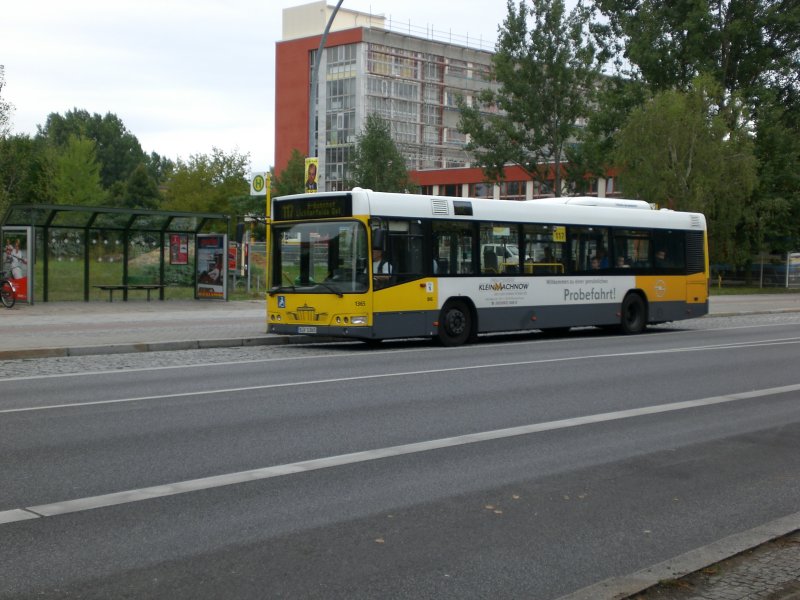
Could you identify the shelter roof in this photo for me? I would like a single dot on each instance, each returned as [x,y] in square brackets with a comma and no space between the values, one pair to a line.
[109,218]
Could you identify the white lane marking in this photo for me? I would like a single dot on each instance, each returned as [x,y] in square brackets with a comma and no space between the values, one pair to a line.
[18,514]
[205,483]
[777,342]
[362,354]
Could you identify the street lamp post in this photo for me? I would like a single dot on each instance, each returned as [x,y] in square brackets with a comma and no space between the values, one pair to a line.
[312,110]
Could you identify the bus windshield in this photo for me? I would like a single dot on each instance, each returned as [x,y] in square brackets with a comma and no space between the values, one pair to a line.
[320,257]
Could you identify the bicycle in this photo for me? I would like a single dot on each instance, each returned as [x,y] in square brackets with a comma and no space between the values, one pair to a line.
[8,294]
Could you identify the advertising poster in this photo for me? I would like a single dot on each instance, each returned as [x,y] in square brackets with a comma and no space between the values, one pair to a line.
[312,164]
[233,255]
[16,256]
[179,248]
[212,266]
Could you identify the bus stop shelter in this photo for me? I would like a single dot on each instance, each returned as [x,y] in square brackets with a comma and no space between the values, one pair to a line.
[106,248]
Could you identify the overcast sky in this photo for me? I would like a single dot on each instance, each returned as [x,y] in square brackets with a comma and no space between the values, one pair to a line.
[183,75]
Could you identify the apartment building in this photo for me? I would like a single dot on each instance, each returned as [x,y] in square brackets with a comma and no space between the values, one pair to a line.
[409,78]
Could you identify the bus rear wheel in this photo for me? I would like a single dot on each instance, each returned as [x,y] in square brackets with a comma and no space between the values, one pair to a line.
[455,324]
[634,314]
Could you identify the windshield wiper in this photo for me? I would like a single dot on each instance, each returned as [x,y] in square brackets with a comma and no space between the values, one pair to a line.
[331,288]
[282,288]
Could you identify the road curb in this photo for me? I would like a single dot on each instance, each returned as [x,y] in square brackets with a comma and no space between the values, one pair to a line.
[619,588]
[150,347]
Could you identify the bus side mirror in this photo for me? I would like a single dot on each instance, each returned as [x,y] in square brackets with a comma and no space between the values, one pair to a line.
[378,239]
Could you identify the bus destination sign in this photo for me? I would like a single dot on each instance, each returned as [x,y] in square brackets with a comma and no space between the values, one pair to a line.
[318,207]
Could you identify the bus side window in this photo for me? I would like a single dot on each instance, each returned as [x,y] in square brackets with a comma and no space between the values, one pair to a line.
[453,247]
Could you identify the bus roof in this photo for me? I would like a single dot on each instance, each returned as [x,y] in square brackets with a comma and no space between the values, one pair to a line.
[582,210]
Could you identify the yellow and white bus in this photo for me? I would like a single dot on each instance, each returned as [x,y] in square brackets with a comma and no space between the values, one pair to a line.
[373,266]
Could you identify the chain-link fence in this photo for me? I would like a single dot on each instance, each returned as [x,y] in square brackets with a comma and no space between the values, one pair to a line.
[252,278]
[765,271]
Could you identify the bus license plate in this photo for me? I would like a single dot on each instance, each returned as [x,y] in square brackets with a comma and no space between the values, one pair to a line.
[306,330]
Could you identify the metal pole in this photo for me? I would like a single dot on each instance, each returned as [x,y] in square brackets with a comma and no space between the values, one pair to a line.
[312,108]
[788,257]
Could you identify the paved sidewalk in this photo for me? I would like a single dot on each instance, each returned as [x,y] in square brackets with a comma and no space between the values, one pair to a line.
[769,572]
[50,329]
[760,564]
[763,564]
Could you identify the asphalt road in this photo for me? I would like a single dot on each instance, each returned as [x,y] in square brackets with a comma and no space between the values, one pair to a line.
[519,467]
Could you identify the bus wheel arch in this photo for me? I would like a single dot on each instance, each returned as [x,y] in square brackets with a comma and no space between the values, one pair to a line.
[457,322]
[633,313]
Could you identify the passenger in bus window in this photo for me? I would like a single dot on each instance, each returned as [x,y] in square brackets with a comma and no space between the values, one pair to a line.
[621,264]
[661,258]
[602,258]
[594,264]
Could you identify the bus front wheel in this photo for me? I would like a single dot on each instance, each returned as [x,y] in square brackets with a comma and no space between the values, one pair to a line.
[455,324]
[634,314]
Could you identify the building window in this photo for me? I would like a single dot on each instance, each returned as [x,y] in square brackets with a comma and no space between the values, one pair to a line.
[336,163]
[481,190]
[340,121]
[433,67]
[481,72]
[456,68]
[431,115]
[432,94]
[431,135]
[398,62]
[512,190]
[453,137]
[404,132]
[450,189]
[542,189]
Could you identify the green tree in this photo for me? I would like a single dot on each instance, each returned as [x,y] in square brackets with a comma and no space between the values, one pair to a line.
[546,76]
[376,163]
[593,157]
[745,45]
[676,151]
[773,222]
[208,183]
[24,172]
[76,174]
[118,151]
[292,179]
[140,191]
[6,108]
[159,167]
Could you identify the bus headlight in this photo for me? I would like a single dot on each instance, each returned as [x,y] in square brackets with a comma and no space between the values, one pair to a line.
[359,320]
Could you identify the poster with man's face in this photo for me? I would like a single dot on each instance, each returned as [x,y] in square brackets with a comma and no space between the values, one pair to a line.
[312,164]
